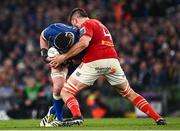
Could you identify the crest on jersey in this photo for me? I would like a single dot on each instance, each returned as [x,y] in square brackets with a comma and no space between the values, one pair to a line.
[82,31]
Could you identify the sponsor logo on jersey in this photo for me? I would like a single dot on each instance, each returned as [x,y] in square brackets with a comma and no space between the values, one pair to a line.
[113,70]
[102,69]
[82,31]
[78,74]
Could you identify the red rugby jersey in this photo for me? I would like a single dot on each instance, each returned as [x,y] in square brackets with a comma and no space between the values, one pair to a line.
[101,45]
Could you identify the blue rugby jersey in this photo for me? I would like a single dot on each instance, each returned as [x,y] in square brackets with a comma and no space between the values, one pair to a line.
[53,30]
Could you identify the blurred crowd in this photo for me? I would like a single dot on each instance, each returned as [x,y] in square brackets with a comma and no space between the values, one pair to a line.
[146,38]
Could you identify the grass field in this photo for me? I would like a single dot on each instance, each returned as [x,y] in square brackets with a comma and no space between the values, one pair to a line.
[101,124]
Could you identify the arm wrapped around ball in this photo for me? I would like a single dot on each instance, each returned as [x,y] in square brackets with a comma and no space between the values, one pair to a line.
[62,43]
[53,52]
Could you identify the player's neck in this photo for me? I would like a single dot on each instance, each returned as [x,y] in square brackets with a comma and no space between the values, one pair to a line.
[84,19]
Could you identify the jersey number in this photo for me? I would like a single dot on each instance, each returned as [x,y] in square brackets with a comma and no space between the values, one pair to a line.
[106,33]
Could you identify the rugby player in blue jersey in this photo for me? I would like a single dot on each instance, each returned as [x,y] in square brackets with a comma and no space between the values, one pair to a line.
[62,37]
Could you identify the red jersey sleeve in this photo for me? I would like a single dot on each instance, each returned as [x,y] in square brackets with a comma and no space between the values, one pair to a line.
[86,29]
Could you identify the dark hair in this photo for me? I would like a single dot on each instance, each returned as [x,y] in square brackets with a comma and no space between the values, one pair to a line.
[79,12]
[63,41]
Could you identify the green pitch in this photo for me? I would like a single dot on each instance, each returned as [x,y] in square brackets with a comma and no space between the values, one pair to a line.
[101,124]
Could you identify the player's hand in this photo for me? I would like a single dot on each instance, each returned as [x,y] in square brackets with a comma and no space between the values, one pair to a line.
[53,65]
[56,61]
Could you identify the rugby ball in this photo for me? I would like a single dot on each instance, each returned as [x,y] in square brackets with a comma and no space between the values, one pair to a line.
[52,51]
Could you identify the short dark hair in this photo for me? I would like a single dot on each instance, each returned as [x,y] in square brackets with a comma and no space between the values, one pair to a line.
[79,12]
[63,41]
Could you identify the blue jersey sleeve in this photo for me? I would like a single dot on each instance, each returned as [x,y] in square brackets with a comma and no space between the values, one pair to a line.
[51,32]
[46,33]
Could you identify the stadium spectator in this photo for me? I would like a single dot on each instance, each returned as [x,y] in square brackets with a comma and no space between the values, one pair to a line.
[32,97]
[32,101]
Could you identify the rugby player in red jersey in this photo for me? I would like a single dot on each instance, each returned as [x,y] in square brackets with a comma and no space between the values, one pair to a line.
[100,59]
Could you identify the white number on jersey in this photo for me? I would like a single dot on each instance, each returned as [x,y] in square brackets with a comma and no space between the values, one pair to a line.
[107,33]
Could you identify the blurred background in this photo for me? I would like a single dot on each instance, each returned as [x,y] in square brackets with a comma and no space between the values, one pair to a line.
[146,34]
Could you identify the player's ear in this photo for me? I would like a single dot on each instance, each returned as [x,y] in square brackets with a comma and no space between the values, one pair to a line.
[74,21]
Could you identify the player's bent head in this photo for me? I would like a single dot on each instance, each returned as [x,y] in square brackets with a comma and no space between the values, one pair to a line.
[77,12]
[64,41]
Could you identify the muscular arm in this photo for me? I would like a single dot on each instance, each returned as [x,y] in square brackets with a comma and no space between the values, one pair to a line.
[79,47]
[76,49]
[43,42]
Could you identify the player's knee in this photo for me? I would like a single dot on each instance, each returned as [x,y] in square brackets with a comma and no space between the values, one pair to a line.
[129,95]
[126,90]
[69,88]
[56,92]
[57,88]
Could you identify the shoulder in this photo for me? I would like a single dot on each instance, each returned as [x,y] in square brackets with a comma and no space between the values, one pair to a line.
[58,26]
[48,28]
[88,22]
[64,26]
[48,31]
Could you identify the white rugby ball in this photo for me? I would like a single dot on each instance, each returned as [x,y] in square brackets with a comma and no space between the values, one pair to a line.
[52,52]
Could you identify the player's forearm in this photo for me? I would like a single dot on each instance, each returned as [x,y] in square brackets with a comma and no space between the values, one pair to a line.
[76,49]
[79,47]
